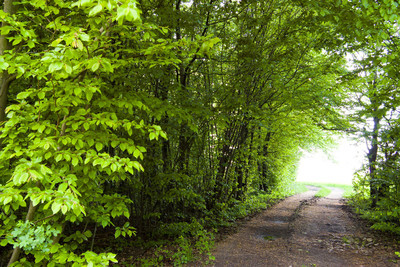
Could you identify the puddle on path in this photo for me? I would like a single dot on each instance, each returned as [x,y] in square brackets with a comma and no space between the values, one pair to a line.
[278,221]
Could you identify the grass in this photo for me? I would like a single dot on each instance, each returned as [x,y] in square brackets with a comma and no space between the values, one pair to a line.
[323,192]
[348,189]
[293,189]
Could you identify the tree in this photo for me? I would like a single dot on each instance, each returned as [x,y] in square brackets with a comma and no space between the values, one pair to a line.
[375,98]
[70,131]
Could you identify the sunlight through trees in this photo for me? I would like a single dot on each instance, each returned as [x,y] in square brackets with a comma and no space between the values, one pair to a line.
[337,166]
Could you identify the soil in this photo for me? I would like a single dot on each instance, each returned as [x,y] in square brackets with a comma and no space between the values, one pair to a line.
[306,231]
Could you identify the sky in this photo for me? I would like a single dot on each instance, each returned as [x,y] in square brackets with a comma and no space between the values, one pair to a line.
[337,168]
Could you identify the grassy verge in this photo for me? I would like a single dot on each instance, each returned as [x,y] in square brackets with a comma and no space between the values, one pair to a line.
[296,188]
[348,189]
[323,192]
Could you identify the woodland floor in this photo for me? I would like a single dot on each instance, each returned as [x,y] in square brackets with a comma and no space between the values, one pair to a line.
[307,231]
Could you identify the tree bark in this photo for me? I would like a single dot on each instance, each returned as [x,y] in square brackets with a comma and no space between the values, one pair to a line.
[241,164]
[17,250]
[372,156]
[5,78]
[264,184]
[234,141]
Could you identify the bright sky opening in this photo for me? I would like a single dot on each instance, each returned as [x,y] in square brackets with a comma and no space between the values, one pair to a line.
[337,168]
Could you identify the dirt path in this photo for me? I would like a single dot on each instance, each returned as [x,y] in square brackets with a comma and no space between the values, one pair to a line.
[304,231]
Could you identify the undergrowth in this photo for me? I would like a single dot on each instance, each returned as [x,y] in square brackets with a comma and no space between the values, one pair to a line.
[385,216]
[196,238]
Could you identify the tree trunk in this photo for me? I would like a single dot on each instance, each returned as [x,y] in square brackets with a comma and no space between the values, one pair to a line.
[264,185]
[185,133]
[372,156]
[5,78]
[17,250]
[241,163]
[234,139]
[223,162]
[184,148]
[162,93]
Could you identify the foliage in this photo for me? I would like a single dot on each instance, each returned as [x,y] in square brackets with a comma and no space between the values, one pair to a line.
[374,88]
[384,217]
[161,120]
[65,139]
[183,249]
[30,237]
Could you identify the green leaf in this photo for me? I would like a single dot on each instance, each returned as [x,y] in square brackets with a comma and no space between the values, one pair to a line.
[75,126]
[55,42]
[48,155]
[17,40]
[77,91]
[117,233]
[64,209]
[163,135]
[90,142]
[137,165]
[4,242]
[68,69]
[152,135]
[99,146]
[7,200]
[127,215]
[136,153]
[85,2]
[41,128]
[107,65]
[39,257]
[105,163]
[132,14]
[55,67]
[95,66]
[6,209]
[3,65]
[114,213]
[24,95]
[41,95]
[86,126]
[113,167]
[35,200]
[55,207]
[97,161]
[393,18]
[59,157]
[62,187]
[94,11]
[114,143]
[67,156]
[120,14]
[84,37]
